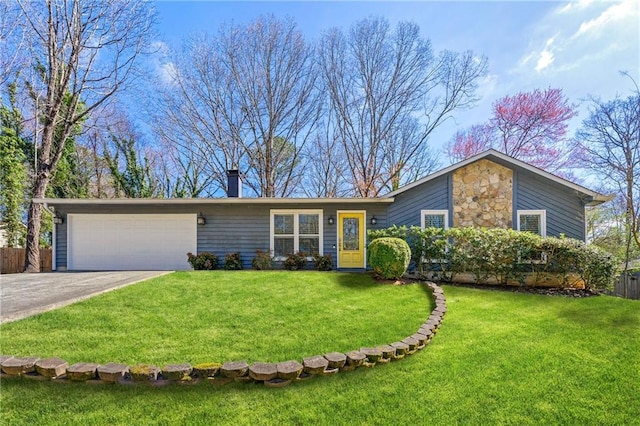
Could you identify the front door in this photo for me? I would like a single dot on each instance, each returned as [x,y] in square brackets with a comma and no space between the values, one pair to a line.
[351,250]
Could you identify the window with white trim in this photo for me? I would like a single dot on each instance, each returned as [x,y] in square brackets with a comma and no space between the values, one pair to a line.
[434,219]
[534,221]
[295,230]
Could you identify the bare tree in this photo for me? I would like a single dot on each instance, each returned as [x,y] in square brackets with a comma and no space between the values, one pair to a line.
[389,92]
[325,164]
[245,99]
[11,40]
[608,143]
[183,173]
[84,51]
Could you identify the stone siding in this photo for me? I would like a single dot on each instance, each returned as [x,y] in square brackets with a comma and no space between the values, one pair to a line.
[483,195]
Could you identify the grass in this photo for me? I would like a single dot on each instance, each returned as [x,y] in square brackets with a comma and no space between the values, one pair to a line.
[499,358]
[223,316]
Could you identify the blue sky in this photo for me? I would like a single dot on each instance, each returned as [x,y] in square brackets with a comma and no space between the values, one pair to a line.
[578,46]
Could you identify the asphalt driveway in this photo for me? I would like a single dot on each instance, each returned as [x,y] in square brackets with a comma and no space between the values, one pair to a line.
[23,295]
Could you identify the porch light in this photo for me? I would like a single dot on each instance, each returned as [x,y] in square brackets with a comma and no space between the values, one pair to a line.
[58,220]
[373,220]
[331,220]
[201,219]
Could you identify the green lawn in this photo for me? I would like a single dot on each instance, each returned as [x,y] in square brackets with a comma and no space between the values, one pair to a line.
[499,358]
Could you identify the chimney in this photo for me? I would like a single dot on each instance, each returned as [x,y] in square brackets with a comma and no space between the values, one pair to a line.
[234,184]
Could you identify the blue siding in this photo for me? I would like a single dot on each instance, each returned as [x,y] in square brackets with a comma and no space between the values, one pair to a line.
[61,245]
[432,195]
[565,209]
[233,228]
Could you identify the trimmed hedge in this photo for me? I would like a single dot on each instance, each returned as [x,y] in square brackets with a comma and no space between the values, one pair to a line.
[502,255]
[389,257]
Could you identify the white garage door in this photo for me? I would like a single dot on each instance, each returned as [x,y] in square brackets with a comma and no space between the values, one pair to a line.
[130,241]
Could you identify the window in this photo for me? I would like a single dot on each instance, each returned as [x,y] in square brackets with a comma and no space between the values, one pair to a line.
[295,230]
[434,219]
[534,221]
[433,253]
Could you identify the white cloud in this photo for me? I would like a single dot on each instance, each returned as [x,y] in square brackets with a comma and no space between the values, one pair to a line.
[167,72]
[544,60]
[487,86]
[164,68]
[575,6]
[612,15]
[583,34]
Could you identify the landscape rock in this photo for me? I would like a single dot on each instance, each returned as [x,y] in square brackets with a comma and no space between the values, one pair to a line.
[144,372]
[176,371]
[388,351]
[355,358]
[401,348]
[234,369]
[336,359]
[372,354]
[412,342]
[263,371]
[207,369]
[18,366]
[315,364]
[82,371]
[52,367]
[289,370]
[112,372]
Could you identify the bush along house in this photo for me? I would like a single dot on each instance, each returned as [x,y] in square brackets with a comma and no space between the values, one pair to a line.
[489,190]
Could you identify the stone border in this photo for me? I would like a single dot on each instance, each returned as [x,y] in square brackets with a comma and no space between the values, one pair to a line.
[271,374]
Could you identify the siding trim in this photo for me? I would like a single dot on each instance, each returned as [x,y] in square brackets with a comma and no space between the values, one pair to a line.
[54,242]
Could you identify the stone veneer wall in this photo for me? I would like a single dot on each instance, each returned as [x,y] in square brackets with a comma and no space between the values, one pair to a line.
[483,195]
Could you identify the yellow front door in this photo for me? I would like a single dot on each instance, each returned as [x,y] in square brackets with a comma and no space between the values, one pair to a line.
[351,239]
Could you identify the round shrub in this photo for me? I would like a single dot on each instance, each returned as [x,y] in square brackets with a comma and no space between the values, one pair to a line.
[389,257]
[204,261]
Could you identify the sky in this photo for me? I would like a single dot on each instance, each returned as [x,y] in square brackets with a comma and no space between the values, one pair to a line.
[578,46]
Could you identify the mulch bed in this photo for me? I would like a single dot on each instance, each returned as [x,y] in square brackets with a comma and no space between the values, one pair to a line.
[547,291]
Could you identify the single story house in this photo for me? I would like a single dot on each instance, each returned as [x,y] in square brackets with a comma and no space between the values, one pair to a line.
[490,189]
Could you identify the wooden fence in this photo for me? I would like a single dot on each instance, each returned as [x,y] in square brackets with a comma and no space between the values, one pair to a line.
[12,260]
[628,286]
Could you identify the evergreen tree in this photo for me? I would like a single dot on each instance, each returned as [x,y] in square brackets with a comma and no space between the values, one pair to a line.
[136,179]
[13,174]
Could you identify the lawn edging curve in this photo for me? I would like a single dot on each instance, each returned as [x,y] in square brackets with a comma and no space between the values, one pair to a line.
[271,374]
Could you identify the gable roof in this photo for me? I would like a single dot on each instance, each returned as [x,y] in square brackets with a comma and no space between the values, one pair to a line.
[593,198]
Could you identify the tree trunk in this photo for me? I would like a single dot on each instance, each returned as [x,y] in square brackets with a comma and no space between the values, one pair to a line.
[32,258]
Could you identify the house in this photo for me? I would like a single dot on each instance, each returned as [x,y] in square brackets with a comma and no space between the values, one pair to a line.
[488,190]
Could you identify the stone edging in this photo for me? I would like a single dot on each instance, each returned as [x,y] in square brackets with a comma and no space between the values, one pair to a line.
[271,374]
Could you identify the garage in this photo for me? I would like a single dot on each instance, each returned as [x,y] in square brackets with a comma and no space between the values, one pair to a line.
[130,241]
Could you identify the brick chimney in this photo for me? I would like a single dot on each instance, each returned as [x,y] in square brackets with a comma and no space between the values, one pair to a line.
[234,184]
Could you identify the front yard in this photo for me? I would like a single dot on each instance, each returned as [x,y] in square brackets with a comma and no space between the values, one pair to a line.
[498,358]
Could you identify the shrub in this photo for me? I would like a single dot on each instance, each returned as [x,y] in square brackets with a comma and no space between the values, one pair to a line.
[322,262]
[295,261]
[204,261]
[504,256]
[263,261]
[232,262]
[389,257]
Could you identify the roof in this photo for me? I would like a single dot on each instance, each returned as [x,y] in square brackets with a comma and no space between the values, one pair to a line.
[204,201]
[593,198]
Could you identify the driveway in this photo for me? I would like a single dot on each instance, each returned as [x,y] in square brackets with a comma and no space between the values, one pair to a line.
[23,295]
